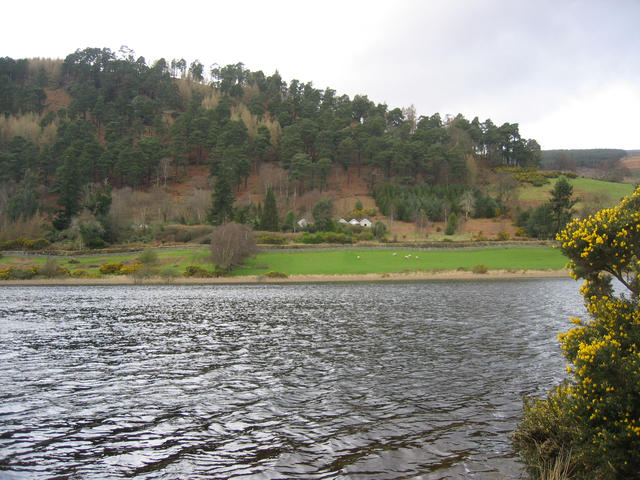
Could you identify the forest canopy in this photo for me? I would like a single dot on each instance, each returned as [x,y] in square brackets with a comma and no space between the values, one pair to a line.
[128,123]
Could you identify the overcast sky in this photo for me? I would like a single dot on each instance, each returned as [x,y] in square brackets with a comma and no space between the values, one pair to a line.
[568,72]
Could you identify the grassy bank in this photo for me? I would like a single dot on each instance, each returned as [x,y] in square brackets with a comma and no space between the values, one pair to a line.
[321,262]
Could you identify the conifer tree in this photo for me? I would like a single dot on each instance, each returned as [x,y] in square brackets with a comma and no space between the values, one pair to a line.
[221,201]
[270,220]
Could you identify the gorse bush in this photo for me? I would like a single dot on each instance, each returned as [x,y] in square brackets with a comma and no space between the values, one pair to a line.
[110,268]
[25,244]
[274,274]
[118,268]
[535,177]
[598,409]
[132,269]
[15,273]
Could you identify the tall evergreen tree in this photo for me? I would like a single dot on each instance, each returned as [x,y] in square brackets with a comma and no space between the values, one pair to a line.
[270,220]
[561,204]
[221,200]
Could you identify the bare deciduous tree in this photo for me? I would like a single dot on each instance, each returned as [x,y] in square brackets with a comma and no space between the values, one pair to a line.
[231,244]
[196,205]
[467,203]
[422,222]
[162,170]
[163,203]
[273,177]
[507,189]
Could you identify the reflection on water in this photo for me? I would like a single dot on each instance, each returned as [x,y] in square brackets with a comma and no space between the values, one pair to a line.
[419,380]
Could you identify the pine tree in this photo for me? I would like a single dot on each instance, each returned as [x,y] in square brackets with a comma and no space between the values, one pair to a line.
[270,221]
[221,201]
[561,204]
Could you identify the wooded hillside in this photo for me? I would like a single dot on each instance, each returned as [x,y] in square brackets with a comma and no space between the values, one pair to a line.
[74,130]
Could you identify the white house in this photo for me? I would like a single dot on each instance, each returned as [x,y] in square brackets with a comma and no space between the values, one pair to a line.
[343,221]
[365,223]
[302,223]
[354,222]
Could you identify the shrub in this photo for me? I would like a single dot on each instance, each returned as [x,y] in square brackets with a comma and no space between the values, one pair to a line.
[311,239]
[271,240]
[360,213]
[452,223]
[479,236]
[142,271]
[95,242]
[110,268]
[78,273]
[51,269]
[365,236]
[326,237]
[14,273]
[129,269]
[544,436]
[341,238]
[502,236]
[272,274]
[37,244]
[600,405]
[21,243]
[380,231]
[529,175]
[480,269]
[6,273]
[148,256]
[169,274]
[196,271]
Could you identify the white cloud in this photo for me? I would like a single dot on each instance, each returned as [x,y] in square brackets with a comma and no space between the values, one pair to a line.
[601,118]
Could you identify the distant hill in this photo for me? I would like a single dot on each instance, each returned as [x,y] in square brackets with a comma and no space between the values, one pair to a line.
[589,158]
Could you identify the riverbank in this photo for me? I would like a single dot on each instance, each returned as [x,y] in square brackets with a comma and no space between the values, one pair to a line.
[335,265]
[260,279]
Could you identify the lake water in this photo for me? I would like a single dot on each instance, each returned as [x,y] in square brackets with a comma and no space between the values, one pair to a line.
[364,381]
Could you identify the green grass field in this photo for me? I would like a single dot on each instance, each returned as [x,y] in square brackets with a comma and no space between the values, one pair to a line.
[326,262]
[335,262]
[582,187]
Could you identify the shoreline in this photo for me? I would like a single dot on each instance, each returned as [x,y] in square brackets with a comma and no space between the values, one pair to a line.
[261,279]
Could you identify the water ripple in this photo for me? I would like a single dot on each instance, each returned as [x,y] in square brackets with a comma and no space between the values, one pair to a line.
[367,381]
